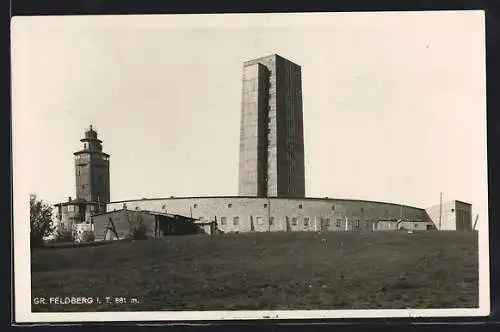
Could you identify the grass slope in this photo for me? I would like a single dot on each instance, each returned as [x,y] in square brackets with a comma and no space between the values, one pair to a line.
[275,271]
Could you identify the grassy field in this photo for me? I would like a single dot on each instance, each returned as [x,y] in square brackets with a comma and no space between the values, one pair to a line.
[276,271]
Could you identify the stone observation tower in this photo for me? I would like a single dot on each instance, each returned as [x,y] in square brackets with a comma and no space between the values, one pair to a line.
[271,137]
[92,170]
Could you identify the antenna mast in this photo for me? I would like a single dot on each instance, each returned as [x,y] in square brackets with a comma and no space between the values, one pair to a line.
[440,209]
[475,222]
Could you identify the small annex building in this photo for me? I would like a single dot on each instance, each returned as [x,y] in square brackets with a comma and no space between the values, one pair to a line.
[119,224]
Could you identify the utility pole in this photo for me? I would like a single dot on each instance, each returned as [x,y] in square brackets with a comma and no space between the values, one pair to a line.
[475,222]
[440,209]
[269,212]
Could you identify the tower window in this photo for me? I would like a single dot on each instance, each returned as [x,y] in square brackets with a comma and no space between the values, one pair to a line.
[300,206]
[306,221]
[195,206]
[164,206]
[230,205]
[362,209]
[265,205]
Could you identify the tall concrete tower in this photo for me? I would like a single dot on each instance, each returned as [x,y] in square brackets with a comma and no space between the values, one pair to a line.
[92,170]
[271,136]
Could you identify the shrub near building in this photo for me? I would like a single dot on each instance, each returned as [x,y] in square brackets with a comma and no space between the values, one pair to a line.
[41,225]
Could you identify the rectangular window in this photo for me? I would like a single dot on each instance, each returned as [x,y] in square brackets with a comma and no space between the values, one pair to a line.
[271,220]
[338,223]
[294,221]
[236,221]
[223,220]
[326,222]
[306,221]
[259,220]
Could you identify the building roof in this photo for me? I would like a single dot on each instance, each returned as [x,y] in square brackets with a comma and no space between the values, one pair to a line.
[329,199]
[259,59]
[452,201]
[91,151]
[79,201]
[155,213]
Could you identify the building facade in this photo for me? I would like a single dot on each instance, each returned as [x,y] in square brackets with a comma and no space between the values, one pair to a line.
[251,214]
[74,213]
[451,215]
[271,135]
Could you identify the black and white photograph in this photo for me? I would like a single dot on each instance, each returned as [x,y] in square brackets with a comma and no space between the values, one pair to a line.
[250,166]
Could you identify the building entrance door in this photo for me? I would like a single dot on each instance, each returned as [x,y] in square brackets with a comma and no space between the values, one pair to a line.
[324,225]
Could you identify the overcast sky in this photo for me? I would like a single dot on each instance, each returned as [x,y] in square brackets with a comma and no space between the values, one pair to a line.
[394,103]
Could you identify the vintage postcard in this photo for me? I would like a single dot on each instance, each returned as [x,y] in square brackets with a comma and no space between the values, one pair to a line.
[250,166]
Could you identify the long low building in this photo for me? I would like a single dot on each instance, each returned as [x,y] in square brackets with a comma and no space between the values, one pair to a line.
[247,214]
